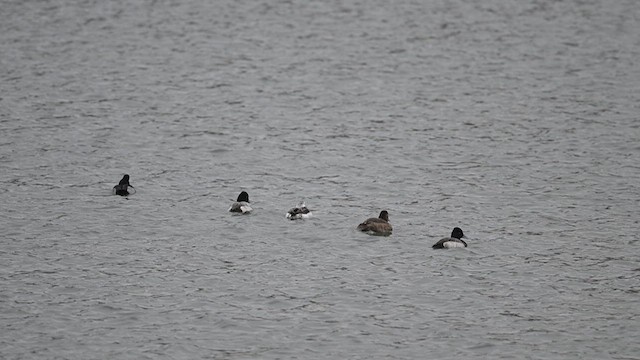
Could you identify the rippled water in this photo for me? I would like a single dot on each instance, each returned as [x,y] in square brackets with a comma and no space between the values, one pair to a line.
[517,122]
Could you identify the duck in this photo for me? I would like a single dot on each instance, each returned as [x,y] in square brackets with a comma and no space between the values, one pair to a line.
[377,226]
[455,241]
[242,204]
[299,212]
[123,186]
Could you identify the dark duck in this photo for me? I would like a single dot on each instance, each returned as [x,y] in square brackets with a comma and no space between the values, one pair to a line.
[123,186]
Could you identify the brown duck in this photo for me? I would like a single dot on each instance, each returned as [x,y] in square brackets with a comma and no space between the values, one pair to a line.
[377,226]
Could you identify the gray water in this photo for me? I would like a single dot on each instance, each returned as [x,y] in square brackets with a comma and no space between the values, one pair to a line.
[516,121]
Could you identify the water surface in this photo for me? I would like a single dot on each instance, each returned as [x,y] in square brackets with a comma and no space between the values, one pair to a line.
[516,122]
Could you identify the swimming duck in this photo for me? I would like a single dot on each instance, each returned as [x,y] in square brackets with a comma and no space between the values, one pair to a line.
[122,188]
[242,204]
[452,242]
[377,226]
[299,212]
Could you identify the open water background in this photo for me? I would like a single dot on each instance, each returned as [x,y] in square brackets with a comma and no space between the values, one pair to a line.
[517,121]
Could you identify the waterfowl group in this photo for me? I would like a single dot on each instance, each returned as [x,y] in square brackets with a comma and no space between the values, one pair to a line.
[373,226]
